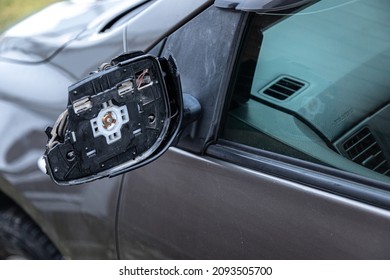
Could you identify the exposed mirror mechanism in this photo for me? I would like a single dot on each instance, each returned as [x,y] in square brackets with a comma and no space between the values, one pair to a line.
[117,119]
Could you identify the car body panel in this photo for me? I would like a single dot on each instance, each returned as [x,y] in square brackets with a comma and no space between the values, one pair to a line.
[232,212]
[26,85]
[238,213]
[80,221]
[142,32]
[41,35]
[190,203]
[68,216]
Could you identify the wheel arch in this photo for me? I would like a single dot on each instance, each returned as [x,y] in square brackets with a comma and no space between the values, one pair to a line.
[11,199]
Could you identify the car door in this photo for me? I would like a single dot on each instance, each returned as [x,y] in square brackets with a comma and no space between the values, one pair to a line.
[256,178]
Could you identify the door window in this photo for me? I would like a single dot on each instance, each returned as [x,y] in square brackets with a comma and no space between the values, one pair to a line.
[315,85]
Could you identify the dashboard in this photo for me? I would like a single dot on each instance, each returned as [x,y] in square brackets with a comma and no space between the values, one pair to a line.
[322,86]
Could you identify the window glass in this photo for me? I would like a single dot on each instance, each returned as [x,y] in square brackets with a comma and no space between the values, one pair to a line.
[315,85]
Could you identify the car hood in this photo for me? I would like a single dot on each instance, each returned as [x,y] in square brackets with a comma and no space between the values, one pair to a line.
[40,36]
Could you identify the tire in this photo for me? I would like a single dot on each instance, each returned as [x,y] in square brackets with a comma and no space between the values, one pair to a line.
[21,238]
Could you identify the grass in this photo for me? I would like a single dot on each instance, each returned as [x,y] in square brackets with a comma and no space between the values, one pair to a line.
[12,11]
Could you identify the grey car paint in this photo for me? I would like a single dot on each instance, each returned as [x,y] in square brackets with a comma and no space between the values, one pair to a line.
[40,36]
[231,211]
[163,210]
[81,220]
[142,32]
[236,213]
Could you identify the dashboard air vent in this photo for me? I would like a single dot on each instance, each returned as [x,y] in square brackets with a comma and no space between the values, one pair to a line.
[363,149]
[284,87]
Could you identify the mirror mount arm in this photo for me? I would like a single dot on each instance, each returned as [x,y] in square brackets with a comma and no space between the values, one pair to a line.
[191,110]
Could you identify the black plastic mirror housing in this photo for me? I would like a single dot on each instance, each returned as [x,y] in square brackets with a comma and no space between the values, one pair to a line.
[117,119]
[191,110]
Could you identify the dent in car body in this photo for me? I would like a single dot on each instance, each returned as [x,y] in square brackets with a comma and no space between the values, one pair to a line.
[80,221]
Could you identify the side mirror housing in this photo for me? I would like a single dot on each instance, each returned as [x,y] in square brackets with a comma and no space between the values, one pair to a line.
[119,118]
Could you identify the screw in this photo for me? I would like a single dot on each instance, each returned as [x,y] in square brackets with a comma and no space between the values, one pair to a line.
[70,155]
[151,118]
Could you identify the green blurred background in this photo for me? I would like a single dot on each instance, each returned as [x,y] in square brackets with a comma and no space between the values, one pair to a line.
[12,11]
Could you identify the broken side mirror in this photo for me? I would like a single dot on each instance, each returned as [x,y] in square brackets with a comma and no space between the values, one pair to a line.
[120,118]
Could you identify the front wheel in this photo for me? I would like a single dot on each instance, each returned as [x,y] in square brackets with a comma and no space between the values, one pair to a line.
[21,238]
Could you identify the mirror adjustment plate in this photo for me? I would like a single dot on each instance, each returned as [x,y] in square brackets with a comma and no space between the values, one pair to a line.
[116,118]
